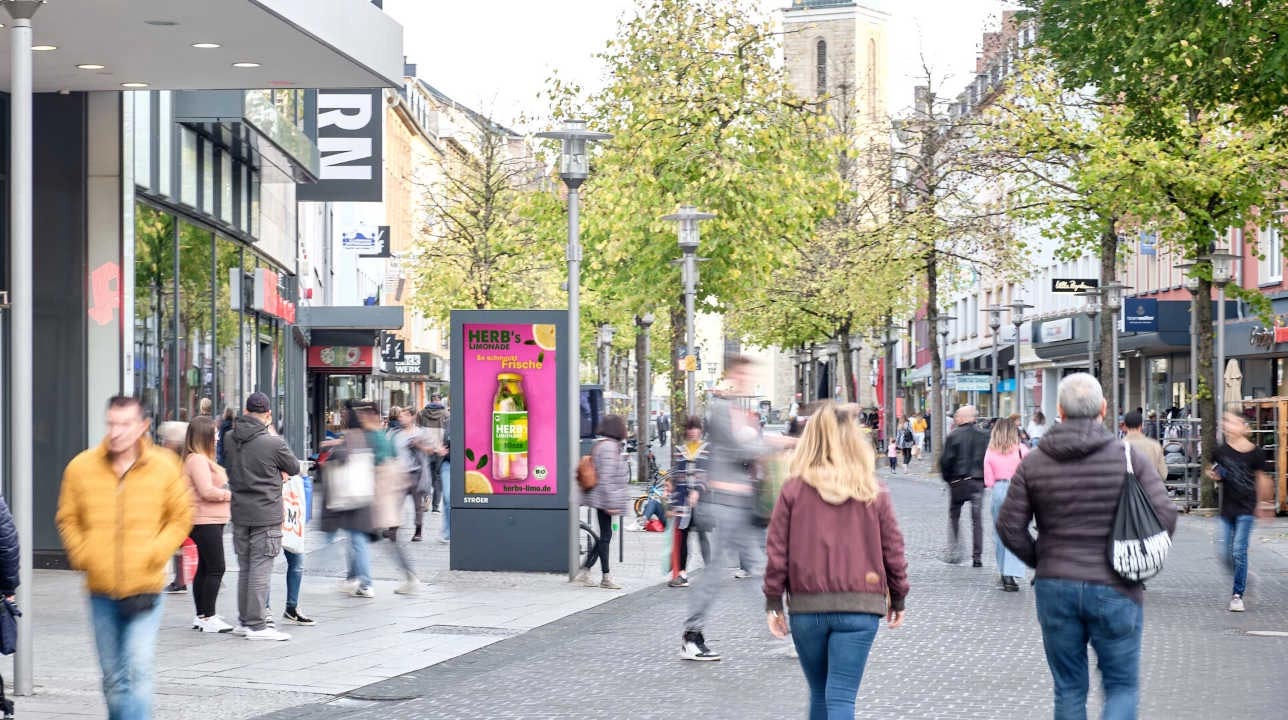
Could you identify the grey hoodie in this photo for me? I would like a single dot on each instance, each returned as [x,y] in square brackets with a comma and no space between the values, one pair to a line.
[256,460]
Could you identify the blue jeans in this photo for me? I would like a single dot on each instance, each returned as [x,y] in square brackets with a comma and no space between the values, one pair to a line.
[1234,538]
[833,650]
[1073,613]
[359,556]
[126,649]
[446,474]
[1007,564]
[294,574]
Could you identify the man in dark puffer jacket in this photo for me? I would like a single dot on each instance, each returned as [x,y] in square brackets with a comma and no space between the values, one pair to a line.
[1071,485]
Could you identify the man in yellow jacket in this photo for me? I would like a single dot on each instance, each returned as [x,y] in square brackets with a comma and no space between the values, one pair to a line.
[123,510]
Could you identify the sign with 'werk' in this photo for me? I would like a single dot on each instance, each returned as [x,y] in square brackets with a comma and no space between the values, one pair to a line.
[350,127]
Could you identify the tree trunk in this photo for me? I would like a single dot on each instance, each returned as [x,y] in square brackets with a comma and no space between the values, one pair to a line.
[844,364]
[1108,323]
[643,383]
[1207,389]
[938,408]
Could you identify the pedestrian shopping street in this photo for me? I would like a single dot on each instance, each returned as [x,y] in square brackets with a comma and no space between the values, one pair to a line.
[967,650]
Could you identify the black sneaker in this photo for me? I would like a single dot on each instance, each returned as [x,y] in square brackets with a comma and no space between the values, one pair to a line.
[977,563]
[293,616]
[175,589]
[695,648]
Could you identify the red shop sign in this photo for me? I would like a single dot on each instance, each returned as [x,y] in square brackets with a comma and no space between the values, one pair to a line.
[341,357]
[268,299]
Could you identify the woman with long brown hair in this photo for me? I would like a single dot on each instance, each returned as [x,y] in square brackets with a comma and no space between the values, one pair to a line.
[836,552]
[210,498]
[1005,451]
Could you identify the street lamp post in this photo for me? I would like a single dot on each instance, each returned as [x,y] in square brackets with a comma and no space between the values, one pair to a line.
[1018,307]
[891,340]
[1222,273]
[22,365]
[574,168]
[1113,294]
[1092,310]
[941,412]
[687,219]
[994,323]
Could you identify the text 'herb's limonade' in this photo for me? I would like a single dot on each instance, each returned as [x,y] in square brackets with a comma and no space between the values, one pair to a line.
[510,428]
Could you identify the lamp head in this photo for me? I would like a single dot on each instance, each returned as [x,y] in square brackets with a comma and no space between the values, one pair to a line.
[574,162]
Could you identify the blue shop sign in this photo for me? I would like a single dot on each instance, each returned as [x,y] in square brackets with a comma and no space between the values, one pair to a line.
[1140,315]
[1007,385]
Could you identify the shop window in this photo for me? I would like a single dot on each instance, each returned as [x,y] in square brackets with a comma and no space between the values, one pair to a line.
[1270,264]
[194,352]
[187,167]
[229,387]
[154,297]
[226,187]
[142,103]
[207,177]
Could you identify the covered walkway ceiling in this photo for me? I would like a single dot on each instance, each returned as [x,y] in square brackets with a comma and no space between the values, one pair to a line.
[293,43]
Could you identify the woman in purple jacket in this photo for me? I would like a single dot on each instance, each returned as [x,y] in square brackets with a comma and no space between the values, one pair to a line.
[836,552]
[608,497]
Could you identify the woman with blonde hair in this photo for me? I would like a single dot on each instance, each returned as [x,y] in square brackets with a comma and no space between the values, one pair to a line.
[1005,451]
[836,552]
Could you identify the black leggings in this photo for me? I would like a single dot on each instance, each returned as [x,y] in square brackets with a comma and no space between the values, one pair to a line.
[907,456]
[604,544]
[704,545]
[210,567]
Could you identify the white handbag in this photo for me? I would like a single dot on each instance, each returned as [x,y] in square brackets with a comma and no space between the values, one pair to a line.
[351,484]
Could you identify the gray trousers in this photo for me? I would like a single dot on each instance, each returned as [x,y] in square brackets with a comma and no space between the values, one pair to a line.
[735,538]
[256,548]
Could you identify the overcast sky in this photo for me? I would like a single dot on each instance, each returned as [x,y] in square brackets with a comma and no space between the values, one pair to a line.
[495,55]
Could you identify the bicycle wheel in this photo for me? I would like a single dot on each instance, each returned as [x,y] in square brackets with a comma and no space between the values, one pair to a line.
[639,505]
[588,540]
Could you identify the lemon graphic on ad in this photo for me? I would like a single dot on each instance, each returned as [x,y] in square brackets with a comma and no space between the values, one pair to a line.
[545,336]
[476,483]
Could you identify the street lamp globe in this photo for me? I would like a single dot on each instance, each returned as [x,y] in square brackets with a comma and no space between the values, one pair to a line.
[1189,280]
[994,316]
[1113,294]
[687,219]
[1018,307]
[1222,266]
[946,323]
[1092,297]
[574,161]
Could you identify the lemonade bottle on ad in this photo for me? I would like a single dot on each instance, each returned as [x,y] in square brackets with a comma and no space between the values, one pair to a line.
[510,428]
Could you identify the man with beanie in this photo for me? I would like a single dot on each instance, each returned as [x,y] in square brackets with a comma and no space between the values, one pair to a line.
[257,459]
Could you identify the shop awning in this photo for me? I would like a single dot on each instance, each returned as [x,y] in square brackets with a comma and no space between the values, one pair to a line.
[294,43]
[355,317]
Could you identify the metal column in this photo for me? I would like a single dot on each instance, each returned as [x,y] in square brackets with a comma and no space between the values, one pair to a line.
[21,420]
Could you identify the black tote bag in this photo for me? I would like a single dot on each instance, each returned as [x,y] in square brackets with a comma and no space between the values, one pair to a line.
[1139,542]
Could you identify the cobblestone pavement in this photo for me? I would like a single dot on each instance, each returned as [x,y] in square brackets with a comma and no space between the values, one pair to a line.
[967,650]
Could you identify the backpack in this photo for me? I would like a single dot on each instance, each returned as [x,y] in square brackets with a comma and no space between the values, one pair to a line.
[1139,543]
[587,478]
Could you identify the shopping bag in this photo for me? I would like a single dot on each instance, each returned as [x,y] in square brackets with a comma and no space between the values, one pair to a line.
[294,517]
[351,484]
[1139,542]
[391,487]
[188,558]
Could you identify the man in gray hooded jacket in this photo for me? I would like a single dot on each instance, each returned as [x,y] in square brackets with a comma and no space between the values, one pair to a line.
[257,459]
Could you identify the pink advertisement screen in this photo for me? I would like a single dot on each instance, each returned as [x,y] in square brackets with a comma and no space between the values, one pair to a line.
[510,384]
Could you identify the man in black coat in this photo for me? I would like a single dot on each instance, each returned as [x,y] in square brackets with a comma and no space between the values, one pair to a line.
[962,467]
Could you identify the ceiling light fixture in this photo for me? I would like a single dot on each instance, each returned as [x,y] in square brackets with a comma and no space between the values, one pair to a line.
[161,23]
[90,66]
[206,45]
[43,48]
[134,84]
[245,64]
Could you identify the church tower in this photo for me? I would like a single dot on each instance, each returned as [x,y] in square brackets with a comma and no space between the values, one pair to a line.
[836,49]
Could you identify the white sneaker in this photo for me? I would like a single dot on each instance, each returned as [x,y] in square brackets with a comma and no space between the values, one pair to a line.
[741,574]
[410,586]
[348,587]
[444,541]
[365,591]
[241,630]
[212,624]
[267,633]
[582,577]
[1236,603]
